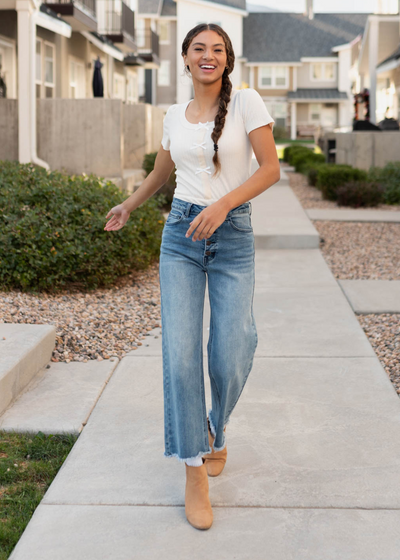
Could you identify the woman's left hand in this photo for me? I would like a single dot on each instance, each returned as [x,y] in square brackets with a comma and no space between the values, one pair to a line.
[207,221]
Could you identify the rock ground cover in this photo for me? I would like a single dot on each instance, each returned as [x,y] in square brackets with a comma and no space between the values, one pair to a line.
[361,251]
[92,325]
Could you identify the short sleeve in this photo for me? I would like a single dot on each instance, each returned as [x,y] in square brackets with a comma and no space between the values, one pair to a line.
[254,110]
[166,141]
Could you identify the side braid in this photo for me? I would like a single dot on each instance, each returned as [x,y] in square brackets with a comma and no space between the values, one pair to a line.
[225,97]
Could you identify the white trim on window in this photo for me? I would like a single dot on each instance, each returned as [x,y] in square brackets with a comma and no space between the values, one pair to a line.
[275,74]
[323,77]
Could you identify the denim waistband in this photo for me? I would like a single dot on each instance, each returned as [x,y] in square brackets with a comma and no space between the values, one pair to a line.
[186,206]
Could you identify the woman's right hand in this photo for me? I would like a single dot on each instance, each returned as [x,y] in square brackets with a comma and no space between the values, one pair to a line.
[119,219]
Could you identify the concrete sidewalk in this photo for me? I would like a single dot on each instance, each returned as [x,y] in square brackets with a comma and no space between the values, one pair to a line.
[313,446]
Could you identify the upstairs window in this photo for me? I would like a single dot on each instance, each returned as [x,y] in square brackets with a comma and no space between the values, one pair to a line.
[323,71]
[163,30]
[276,77]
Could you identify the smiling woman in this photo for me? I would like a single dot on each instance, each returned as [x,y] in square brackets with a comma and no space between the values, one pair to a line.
[210,140]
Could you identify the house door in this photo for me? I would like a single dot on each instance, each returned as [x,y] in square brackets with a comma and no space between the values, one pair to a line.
[329,117]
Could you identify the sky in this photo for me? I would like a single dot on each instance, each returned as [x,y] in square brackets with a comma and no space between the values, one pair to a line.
[320,5]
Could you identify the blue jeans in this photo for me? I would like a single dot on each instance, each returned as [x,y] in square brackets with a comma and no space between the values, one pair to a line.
[227,258]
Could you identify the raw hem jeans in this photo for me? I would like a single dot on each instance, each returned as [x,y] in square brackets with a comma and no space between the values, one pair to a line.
[227,258]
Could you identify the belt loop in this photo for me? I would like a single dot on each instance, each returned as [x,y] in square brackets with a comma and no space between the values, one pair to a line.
[188,207]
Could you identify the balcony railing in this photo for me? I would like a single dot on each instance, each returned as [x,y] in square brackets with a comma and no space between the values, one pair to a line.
[86,6]
[116,20]
[147,42]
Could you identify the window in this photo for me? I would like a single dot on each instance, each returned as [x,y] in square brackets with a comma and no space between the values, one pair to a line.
[141,32]
[273,77]
[163,31]
[315,112]
[119,87]
[164,73]
[38,61]
[77,89]
[279,113]
[131,95]
[323,71]
[44,72]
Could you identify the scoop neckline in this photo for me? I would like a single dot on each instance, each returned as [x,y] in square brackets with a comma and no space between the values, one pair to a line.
[186,122]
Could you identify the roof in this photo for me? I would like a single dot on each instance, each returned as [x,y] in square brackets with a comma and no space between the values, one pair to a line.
[168,7]
[148,6]
[394,56]
[287,37]
[333,94]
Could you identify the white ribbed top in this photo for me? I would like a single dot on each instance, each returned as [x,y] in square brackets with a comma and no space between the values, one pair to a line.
[192,148]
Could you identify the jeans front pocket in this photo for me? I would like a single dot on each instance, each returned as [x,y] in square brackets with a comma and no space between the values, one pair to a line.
[241,222]
[175,216]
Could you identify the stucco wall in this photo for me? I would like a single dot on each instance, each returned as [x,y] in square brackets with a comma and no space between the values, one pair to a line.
[81,135]
[142,129]
[366,149]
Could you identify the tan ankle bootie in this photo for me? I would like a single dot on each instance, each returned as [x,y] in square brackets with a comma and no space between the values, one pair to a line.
[197,501]
[215,461]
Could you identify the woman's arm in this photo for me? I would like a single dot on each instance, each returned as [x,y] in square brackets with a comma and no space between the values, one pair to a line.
[163,167]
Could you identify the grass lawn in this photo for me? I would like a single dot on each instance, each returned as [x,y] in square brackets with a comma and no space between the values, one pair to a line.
[28,464]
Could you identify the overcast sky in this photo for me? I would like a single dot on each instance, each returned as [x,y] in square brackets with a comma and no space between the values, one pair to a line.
[320,5]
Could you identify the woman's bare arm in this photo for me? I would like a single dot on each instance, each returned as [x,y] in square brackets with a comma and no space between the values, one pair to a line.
[163,167]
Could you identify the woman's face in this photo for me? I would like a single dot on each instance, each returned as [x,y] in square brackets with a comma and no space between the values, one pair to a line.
[207,48]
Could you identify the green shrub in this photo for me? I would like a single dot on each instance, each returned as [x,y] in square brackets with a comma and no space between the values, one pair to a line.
[303,161]
[389,178]
[52,230]
[291,150]
[169,188]
[312,174]
[330,177]
[360,193]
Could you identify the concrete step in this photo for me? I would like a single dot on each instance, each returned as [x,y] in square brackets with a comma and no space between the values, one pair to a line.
[60,398]
[353,215]
[24,350]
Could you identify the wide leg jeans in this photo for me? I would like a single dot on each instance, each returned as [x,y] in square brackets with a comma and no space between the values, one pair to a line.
[227,259]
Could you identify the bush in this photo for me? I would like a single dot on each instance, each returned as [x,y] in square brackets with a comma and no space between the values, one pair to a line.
[330,177]
[166,190]
[360,193]
[52,230]
[303,161]
[313,172]
[291,150]
[389,178]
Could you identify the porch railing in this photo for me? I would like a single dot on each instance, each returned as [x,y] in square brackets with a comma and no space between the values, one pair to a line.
[85,5]
[147,41]
[117,21]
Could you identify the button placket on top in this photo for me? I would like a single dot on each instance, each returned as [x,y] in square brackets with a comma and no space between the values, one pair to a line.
[203,169]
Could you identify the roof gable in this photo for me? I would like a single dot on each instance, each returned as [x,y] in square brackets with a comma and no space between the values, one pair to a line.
[286,37]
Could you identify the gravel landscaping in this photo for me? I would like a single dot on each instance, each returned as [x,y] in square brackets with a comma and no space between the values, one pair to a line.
[361,251]
[93,325]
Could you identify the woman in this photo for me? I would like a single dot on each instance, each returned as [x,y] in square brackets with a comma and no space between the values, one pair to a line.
[210,140]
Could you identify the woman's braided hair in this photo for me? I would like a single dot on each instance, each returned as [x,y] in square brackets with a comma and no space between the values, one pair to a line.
[226,87]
